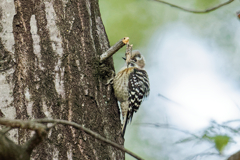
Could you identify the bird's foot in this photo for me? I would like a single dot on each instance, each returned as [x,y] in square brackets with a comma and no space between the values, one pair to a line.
[110,81]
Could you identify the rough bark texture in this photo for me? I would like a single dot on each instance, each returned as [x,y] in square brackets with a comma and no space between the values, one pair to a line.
[7,147]
[235,156]
[58,75]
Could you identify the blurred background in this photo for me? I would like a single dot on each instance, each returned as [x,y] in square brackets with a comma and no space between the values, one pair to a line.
[193,63]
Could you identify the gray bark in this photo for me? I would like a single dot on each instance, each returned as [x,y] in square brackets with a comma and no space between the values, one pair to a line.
[56,73]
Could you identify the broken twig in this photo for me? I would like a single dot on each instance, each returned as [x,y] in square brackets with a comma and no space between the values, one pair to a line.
[114,49]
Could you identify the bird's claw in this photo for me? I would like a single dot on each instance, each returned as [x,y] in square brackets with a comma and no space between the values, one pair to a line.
[110,81]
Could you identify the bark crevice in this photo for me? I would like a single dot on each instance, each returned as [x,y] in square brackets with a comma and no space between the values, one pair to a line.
[70,85]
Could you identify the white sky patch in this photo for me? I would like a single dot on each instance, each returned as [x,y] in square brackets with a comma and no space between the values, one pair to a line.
[205,97]
[186,70]
[183,69]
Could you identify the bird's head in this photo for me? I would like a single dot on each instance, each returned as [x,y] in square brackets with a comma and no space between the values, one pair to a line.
[135,60]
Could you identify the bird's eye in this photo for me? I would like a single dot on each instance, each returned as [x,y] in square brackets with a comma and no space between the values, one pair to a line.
[134,60]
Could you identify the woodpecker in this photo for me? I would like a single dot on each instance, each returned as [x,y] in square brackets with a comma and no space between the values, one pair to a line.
[131,86]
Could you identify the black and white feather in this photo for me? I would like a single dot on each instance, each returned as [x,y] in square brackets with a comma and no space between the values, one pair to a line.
[131,85]
[139,88]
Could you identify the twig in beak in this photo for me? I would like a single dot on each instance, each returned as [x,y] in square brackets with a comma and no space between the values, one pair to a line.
[128,53]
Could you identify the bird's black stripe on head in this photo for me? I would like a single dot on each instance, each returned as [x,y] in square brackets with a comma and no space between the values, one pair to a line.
[137,55]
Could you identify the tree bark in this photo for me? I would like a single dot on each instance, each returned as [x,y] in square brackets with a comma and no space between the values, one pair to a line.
[58,74]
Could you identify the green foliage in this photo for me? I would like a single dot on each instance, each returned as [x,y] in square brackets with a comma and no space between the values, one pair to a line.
[136,19]
[220,135]
[220,141]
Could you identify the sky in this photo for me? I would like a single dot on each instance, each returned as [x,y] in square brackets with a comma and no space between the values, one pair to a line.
[187,91]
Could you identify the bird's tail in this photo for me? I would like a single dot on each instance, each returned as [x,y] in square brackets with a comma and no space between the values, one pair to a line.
[125,122]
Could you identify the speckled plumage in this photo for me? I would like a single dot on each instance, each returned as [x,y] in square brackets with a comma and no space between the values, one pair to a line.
[120,85]
[131,85]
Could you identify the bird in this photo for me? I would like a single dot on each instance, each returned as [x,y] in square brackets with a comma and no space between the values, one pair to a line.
[131,86]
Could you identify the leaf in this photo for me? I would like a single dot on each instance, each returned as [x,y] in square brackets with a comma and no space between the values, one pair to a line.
[221,142]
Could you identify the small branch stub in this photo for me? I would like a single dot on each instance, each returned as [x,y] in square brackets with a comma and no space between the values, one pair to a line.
[125,40]
[114,49]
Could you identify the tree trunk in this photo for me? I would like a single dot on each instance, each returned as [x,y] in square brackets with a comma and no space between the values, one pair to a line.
[57,74]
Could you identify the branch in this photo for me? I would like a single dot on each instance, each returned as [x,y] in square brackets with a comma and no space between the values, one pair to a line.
[235,120]
[195,11]
[114,49]
[5,130]
[42,130]
[14,123]
[201,155]
[167,126]
[94,134]
[168,99]
[10,149]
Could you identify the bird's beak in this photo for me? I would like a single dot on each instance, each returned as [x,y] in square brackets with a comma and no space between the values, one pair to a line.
[124,58]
